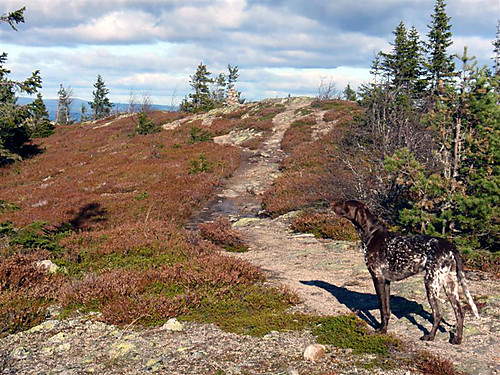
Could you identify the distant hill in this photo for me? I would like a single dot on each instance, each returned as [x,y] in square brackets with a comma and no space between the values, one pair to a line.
[76,106]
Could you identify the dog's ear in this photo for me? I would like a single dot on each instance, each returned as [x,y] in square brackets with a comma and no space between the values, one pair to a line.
[360,214]
[339,208]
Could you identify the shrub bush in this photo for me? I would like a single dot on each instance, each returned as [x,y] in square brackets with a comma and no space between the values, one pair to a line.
[325,225]
[221,233]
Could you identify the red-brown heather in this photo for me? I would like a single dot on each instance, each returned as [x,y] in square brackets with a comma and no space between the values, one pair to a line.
[128,178]
[313,172]
[123,201]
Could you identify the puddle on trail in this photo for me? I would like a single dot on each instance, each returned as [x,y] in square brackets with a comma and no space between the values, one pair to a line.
[232,204]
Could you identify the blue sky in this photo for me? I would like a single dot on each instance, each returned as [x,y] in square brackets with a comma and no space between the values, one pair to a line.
[281,47]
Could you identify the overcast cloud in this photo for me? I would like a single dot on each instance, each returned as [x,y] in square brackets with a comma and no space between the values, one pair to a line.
[281,47]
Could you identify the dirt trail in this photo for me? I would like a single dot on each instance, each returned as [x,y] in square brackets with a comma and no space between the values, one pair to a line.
[330,276]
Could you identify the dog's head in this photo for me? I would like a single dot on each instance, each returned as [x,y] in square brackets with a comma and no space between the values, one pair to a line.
[352,210]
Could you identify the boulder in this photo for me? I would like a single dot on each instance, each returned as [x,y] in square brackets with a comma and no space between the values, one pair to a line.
[314,352]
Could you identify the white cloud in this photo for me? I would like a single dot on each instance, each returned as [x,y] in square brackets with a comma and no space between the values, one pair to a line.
[280,46]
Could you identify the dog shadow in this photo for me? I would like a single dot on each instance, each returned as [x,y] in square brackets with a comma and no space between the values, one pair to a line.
[363,303]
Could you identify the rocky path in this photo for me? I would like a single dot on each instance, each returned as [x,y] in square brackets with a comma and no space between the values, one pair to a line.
[331,277]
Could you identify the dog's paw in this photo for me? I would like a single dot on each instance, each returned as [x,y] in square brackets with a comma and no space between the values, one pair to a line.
[427,338]
[381,330]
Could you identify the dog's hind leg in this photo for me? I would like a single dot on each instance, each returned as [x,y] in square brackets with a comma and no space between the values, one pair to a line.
[432,286]
[451,290]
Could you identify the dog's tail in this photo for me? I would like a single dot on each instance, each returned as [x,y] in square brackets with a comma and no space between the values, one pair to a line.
[461,279]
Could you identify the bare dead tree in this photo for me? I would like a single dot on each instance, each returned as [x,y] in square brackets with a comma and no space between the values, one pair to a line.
[146,102]
[327,89]
[132,103]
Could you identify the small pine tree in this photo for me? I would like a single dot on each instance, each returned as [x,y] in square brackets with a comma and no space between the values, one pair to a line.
[145,125]
[101,105]
[439,64]
[83,113]
[39,122]
[349,93]
[200,99]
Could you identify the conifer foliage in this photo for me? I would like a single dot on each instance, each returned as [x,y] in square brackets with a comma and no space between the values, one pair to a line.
[439,64]
[436,132]
[208,93]
[39,123]
[101,105]
[14,129]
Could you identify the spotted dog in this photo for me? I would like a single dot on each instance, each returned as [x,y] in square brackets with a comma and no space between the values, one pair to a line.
[393,257]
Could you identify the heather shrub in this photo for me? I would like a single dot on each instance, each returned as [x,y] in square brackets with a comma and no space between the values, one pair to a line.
[429,364]
[221,233]
[221,126]
[19,271]
[266,111]
[299,132]
[324,225]
[18,313]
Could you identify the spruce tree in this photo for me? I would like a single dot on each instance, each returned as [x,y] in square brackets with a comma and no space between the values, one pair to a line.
[200,83]
[39,123]
[414,62]
[402,66]
[439,63]
[200,99]
[232,77]
[101,105]
[394,63]
[496,51]
[14,132]
[349,93]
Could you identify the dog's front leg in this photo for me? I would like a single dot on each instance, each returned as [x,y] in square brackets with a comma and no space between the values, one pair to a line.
[382,287]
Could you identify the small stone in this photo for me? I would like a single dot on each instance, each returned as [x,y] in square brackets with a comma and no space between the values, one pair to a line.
[314,352]
[47,265]
[292,371]
[172,325]
[53,311]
